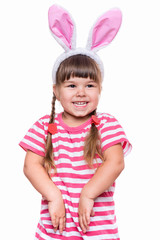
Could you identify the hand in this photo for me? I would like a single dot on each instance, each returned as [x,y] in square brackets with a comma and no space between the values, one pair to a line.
[57,213]
[85,210]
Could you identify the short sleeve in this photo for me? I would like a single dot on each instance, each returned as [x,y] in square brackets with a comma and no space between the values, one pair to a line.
[34,139]
[112,133]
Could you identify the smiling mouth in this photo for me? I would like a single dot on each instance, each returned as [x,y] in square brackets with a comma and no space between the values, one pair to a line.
[80,104]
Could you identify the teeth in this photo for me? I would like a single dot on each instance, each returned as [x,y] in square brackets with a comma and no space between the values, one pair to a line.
[80,103]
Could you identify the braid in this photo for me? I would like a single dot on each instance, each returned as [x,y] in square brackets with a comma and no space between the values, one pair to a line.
[48,160]
[53,109]
[92,146]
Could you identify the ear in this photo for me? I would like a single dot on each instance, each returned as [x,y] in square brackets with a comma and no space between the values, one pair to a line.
[62,27]
[104,30]
[56,91]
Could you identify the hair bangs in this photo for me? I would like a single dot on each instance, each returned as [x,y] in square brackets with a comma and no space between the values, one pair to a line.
[78,66]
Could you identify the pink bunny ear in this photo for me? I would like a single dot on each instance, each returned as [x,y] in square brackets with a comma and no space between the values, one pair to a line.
[104,30]
[62,27]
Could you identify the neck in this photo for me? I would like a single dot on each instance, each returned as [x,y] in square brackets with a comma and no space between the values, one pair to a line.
[74,121]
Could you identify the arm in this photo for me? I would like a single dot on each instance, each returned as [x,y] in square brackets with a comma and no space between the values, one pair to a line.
[104,177]
[35,172]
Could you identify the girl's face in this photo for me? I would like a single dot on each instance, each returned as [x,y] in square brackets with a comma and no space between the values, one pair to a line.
[78,96]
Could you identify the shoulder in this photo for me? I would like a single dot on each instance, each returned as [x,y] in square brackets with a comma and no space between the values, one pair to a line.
[106,117]
[107,122]
[112,133]
[44,121]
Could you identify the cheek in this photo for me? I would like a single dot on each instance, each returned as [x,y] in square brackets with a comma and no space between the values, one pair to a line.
[96,96]
[99,96]
[66,96]
[97,99]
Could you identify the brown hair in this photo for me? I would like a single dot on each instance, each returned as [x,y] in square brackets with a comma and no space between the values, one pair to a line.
[76,66]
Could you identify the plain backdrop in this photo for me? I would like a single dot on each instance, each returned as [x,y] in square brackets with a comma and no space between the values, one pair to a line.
[130,93]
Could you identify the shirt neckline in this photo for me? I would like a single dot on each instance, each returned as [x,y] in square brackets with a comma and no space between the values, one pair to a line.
[73,129]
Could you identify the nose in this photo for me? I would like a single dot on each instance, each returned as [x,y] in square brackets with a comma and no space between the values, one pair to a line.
[81,92]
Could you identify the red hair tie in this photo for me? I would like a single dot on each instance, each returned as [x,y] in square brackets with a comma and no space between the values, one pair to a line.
[52,128]
[95,120]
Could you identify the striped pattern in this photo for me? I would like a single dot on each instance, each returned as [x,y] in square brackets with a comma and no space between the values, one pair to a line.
[73,173]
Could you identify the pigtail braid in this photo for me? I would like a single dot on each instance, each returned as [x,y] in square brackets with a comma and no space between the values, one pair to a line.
[49,155]
[92,144]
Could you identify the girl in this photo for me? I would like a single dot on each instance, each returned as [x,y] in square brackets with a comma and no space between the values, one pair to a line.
[73,158]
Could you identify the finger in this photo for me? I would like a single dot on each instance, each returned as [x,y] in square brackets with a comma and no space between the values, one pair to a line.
[81,224]
[64,221]
[92,213]
[85,222]
[88,218]
[55,222]
[61,225]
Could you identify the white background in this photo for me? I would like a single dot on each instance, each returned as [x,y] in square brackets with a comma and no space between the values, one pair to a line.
[130,93]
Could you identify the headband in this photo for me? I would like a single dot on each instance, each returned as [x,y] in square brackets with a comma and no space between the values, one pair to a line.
[101,34]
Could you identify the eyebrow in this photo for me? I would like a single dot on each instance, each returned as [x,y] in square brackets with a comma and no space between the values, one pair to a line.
[69,81]
[75,81]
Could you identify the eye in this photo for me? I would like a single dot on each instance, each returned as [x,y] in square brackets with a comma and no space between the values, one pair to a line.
[71,86]
[90,85]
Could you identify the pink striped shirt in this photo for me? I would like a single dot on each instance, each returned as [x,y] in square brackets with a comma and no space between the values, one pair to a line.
[73,173]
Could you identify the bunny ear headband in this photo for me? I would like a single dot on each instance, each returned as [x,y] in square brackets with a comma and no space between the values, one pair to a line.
[101,34]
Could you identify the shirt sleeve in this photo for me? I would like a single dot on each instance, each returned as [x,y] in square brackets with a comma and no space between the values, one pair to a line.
[113,133]
[34,139]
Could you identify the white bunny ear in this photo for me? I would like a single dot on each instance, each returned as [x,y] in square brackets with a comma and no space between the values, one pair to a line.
[62,27]
[104,30]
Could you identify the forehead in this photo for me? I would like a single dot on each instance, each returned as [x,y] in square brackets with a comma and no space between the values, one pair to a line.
[79,80]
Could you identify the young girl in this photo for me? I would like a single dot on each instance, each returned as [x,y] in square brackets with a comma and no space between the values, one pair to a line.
[73,158]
